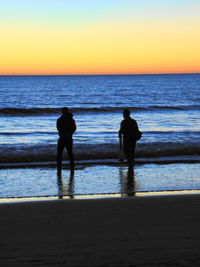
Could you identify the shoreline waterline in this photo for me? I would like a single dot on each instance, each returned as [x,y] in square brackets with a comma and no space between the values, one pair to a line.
[150,194]
[115,162]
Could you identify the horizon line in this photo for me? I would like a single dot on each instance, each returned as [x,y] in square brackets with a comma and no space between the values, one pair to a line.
[106,74]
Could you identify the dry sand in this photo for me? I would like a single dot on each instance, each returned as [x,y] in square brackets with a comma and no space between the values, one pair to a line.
[137,231]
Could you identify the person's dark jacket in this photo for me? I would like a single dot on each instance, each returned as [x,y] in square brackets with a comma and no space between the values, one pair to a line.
[129,130]
[66,126]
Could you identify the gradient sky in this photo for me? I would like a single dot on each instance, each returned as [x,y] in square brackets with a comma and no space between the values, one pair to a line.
[99,36]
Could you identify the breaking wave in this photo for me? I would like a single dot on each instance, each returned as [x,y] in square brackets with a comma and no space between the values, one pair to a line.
[43,111]
[45,153]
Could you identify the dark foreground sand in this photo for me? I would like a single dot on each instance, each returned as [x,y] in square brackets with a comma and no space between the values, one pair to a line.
[140,231]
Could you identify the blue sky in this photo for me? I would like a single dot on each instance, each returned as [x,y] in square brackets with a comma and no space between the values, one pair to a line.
[87,11]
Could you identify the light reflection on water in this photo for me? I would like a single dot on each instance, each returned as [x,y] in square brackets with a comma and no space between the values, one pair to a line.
[98,180]
[98,128]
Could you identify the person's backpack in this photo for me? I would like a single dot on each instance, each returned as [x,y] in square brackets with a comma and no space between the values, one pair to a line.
[138,135]
[134,131]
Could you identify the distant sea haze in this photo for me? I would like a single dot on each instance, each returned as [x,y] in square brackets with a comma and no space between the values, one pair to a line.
[166,108]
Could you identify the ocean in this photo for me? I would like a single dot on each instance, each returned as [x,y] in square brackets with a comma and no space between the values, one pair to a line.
[166,107]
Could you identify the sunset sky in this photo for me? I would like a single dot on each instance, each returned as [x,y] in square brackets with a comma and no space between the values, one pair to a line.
[99,36]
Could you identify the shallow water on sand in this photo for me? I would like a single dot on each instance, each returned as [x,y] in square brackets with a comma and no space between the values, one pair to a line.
[102,179]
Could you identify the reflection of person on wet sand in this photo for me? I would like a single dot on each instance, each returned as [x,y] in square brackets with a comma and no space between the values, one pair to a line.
[127,182]
[129,134]
[65,190]
[66,127]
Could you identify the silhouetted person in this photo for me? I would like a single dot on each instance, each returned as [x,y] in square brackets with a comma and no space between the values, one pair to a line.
[66,126]
[130,134]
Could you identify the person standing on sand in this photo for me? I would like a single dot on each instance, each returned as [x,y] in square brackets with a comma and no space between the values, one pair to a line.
[66,127]
[131,134]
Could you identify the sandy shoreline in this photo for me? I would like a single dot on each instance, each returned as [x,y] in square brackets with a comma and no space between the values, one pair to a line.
[140,231]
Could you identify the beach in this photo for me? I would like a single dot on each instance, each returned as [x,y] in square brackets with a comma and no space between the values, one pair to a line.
[135,231]
[116,218]
[99,133]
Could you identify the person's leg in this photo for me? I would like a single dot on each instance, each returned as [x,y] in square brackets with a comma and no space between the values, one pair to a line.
[60,148]
[69,146]
[131,155]
[129,149]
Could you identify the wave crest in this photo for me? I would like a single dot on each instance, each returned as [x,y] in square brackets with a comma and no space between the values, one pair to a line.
[44,111]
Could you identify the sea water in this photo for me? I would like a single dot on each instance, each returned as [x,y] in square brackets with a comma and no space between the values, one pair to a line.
[99,180]
[166,108]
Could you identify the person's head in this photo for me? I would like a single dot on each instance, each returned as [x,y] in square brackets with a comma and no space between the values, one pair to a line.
[64,110]
[126,113]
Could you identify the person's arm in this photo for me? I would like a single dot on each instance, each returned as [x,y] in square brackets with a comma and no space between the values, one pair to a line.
[74,126]
[58,125]
[136,126]
[120,131]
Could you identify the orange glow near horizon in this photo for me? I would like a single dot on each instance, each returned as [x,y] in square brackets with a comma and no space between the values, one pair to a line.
[111,47]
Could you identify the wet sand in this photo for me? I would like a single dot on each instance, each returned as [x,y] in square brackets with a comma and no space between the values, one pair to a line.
[135,231]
